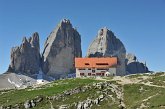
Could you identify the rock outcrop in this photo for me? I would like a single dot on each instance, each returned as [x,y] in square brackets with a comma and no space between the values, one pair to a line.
[25,58]
[61,47]
[107,45]
[133,66]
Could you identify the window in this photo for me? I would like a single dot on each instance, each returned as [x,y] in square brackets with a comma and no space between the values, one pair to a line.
[89,74]
[101,63]
[93,74]
[102,69]
[81,68]
[98,73]
[86,63]
[93,71]
[81,74]
[89,68]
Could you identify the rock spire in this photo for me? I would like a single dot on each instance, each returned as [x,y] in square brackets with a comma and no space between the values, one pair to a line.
[26,57]
[61,47]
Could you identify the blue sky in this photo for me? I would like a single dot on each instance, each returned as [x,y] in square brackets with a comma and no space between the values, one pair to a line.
[139,24]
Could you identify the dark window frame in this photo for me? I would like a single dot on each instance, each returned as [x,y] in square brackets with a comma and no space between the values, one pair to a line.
[87,64]
[102,64]
[81,69]
[93,71]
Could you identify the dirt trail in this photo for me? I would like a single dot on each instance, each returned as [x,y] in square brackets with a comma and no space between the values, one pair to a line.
[125,80]
[150,84]
[142,106]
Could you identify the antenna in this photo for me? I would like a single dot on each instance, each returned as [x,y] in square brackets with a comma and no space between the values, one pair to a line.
[145,65]
[75,28]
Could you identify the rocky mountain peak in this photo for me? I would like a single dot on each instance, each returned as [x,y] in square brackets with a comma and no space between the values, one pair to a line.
[106,44]
[103,31]
[26,57]
[131,57]
[65,23]
[34,40]
[134,66]
[24,40]
[61,47]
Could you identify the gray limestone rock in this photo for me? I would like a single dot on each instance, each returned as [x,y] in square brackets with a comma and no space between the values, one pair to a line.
[27,104]
[96,101]
[38,99]
[86,106]
[101,97]
[107,45]
[33,104]
[63,107]
[134,66]
[26,58]
[61,47]
[12,80]
[80,105]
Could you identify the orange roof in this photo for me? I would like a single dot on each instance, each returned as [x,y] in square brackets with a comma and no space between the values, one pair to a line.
[96,62]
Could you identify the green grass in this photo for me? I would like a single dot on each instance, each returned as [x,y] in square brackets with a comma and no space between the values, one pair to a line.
[80,97]
[76,98]
[18,96]
[158,74]
[106,104]
[43,105]
[137,75]
[158,80]
[133,97]
[158,100]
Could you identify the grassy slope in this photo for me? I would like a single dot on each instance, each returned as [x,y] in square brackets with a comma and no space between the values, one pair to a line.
[134,97]
[151,96]
[134,94]
[17,96]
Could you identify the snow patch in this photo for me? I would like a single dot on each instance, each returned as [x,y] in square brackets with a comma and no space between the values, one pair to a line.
[12,82]
[40,77]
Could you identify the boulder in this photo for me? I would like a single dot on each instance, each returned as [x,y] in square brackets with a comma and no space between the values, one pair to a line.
[80,105]
[61,47]
[17,106]
[8,107]
[38,99]
[106,44]
[101,97]
[86,106]
[134,66]
[63,107]
[27,104]
[96,101]
[25,58]
[99,86]
[33,104]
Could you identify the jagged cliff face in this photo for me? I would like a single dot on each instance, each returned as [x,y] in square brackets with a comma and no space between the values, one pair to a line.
[106,45]
[26,57]
[61,47]
[134,66]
